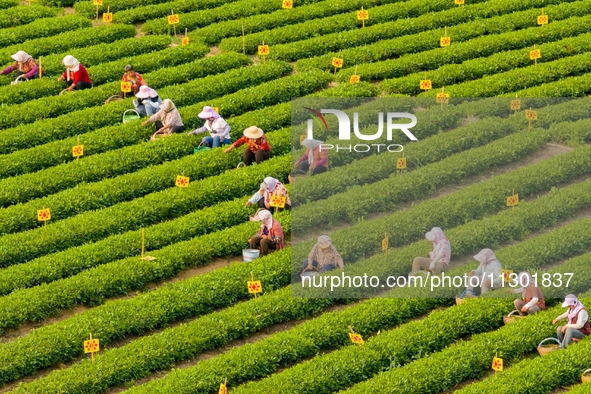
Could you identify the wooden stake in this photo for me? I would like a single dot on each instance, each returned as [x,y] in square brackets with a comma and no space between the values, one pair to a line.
[363,20]
[264,57]
[252,280]
[97,12]
[535,60]
[91,353]
[78,143]
[425,89]
[335,67]
[529,123]
[512,209]
[386,236]
[356,69]
[186,32]
[243,46]
[515,99]
[542,14]
[174,25]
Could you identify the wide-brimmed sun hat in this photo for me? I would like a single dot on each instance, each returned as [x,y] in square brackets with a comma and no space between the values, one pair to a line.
[253,132]
[146,92]
[207,113]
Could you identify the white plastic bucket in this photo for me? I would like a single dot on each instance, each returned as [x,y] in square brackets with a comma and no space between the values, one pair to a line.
[249,255]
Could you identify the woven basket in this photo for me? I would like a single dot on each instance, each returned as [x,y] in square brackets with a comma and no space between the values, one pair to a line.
[459,300]
[512,318]
[547,349]
[133,115]
[584,378]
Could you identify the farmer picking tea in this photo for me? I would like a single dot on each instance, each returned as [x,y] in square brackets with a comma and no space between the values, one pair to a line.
[219,129]
[323,256]
[24,64]
[533,300]
[167,120]
[487,275]
[147,101]
[269,188]
[270,235]
[578,321]
[439,257]
[135,78]
[76,76]
[314,159]
[258,148]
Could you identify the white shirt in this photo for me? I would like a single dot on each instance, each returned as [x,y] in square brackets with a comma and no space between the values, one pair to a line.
[581,320]
[485,270]
[219,128]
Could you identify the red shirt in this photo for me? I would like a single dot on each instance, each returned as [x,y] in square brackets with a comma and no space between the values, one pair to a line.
[79,76]
[138,79]
[252,145]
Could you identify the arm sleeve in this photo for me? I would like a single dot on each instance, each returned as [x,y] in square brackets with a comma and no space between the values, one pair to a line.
[563,316]
[32,72]
[532,302]
[255,198]
[156,116]
[478,271]
[340,261]
[239,142]
[8,70]
[519,290]
[583,317]
[312,254]
[199,130]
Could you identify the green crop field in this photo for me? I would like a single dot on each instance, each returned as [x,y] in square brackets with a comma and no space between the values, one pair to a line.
[185,322]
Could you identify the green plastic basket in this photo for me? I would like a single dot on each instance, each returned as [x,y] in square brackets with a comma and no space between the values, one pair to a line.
[201,148]
[132,116]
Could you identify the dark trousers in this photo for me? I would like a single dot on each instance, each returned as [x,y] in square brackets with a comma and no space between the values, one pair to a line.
[262,205]
[305,166]
[80,85]
[18,74]
[328,267]
[259,156]
[265,245]
[175,129]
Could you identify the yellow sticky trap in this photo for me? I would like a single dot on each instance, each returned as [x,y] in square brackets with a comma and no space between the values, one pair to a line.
[263,50]
[173,19]
[401,163]
[77,150]
[445,41]
[362,15]
[515,105]
[337,62]
[97,2]
[356,339]
[185,41]
[459,2]
[182,181]
[126,87]
[43,215]
[287,4]
[216,109]
[425,84]
[223,389]
[442,98]
[254,286]
[278,202]
[384,244]
[92,346]
[513,200]
[108,17]
[506,275]
[542,19]
[354,79]
[535,54]
[531,115]
[497,364]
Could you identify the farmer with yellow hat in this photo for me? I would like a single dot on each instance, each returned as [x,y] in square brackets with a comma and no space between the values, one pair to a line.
[258,148]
